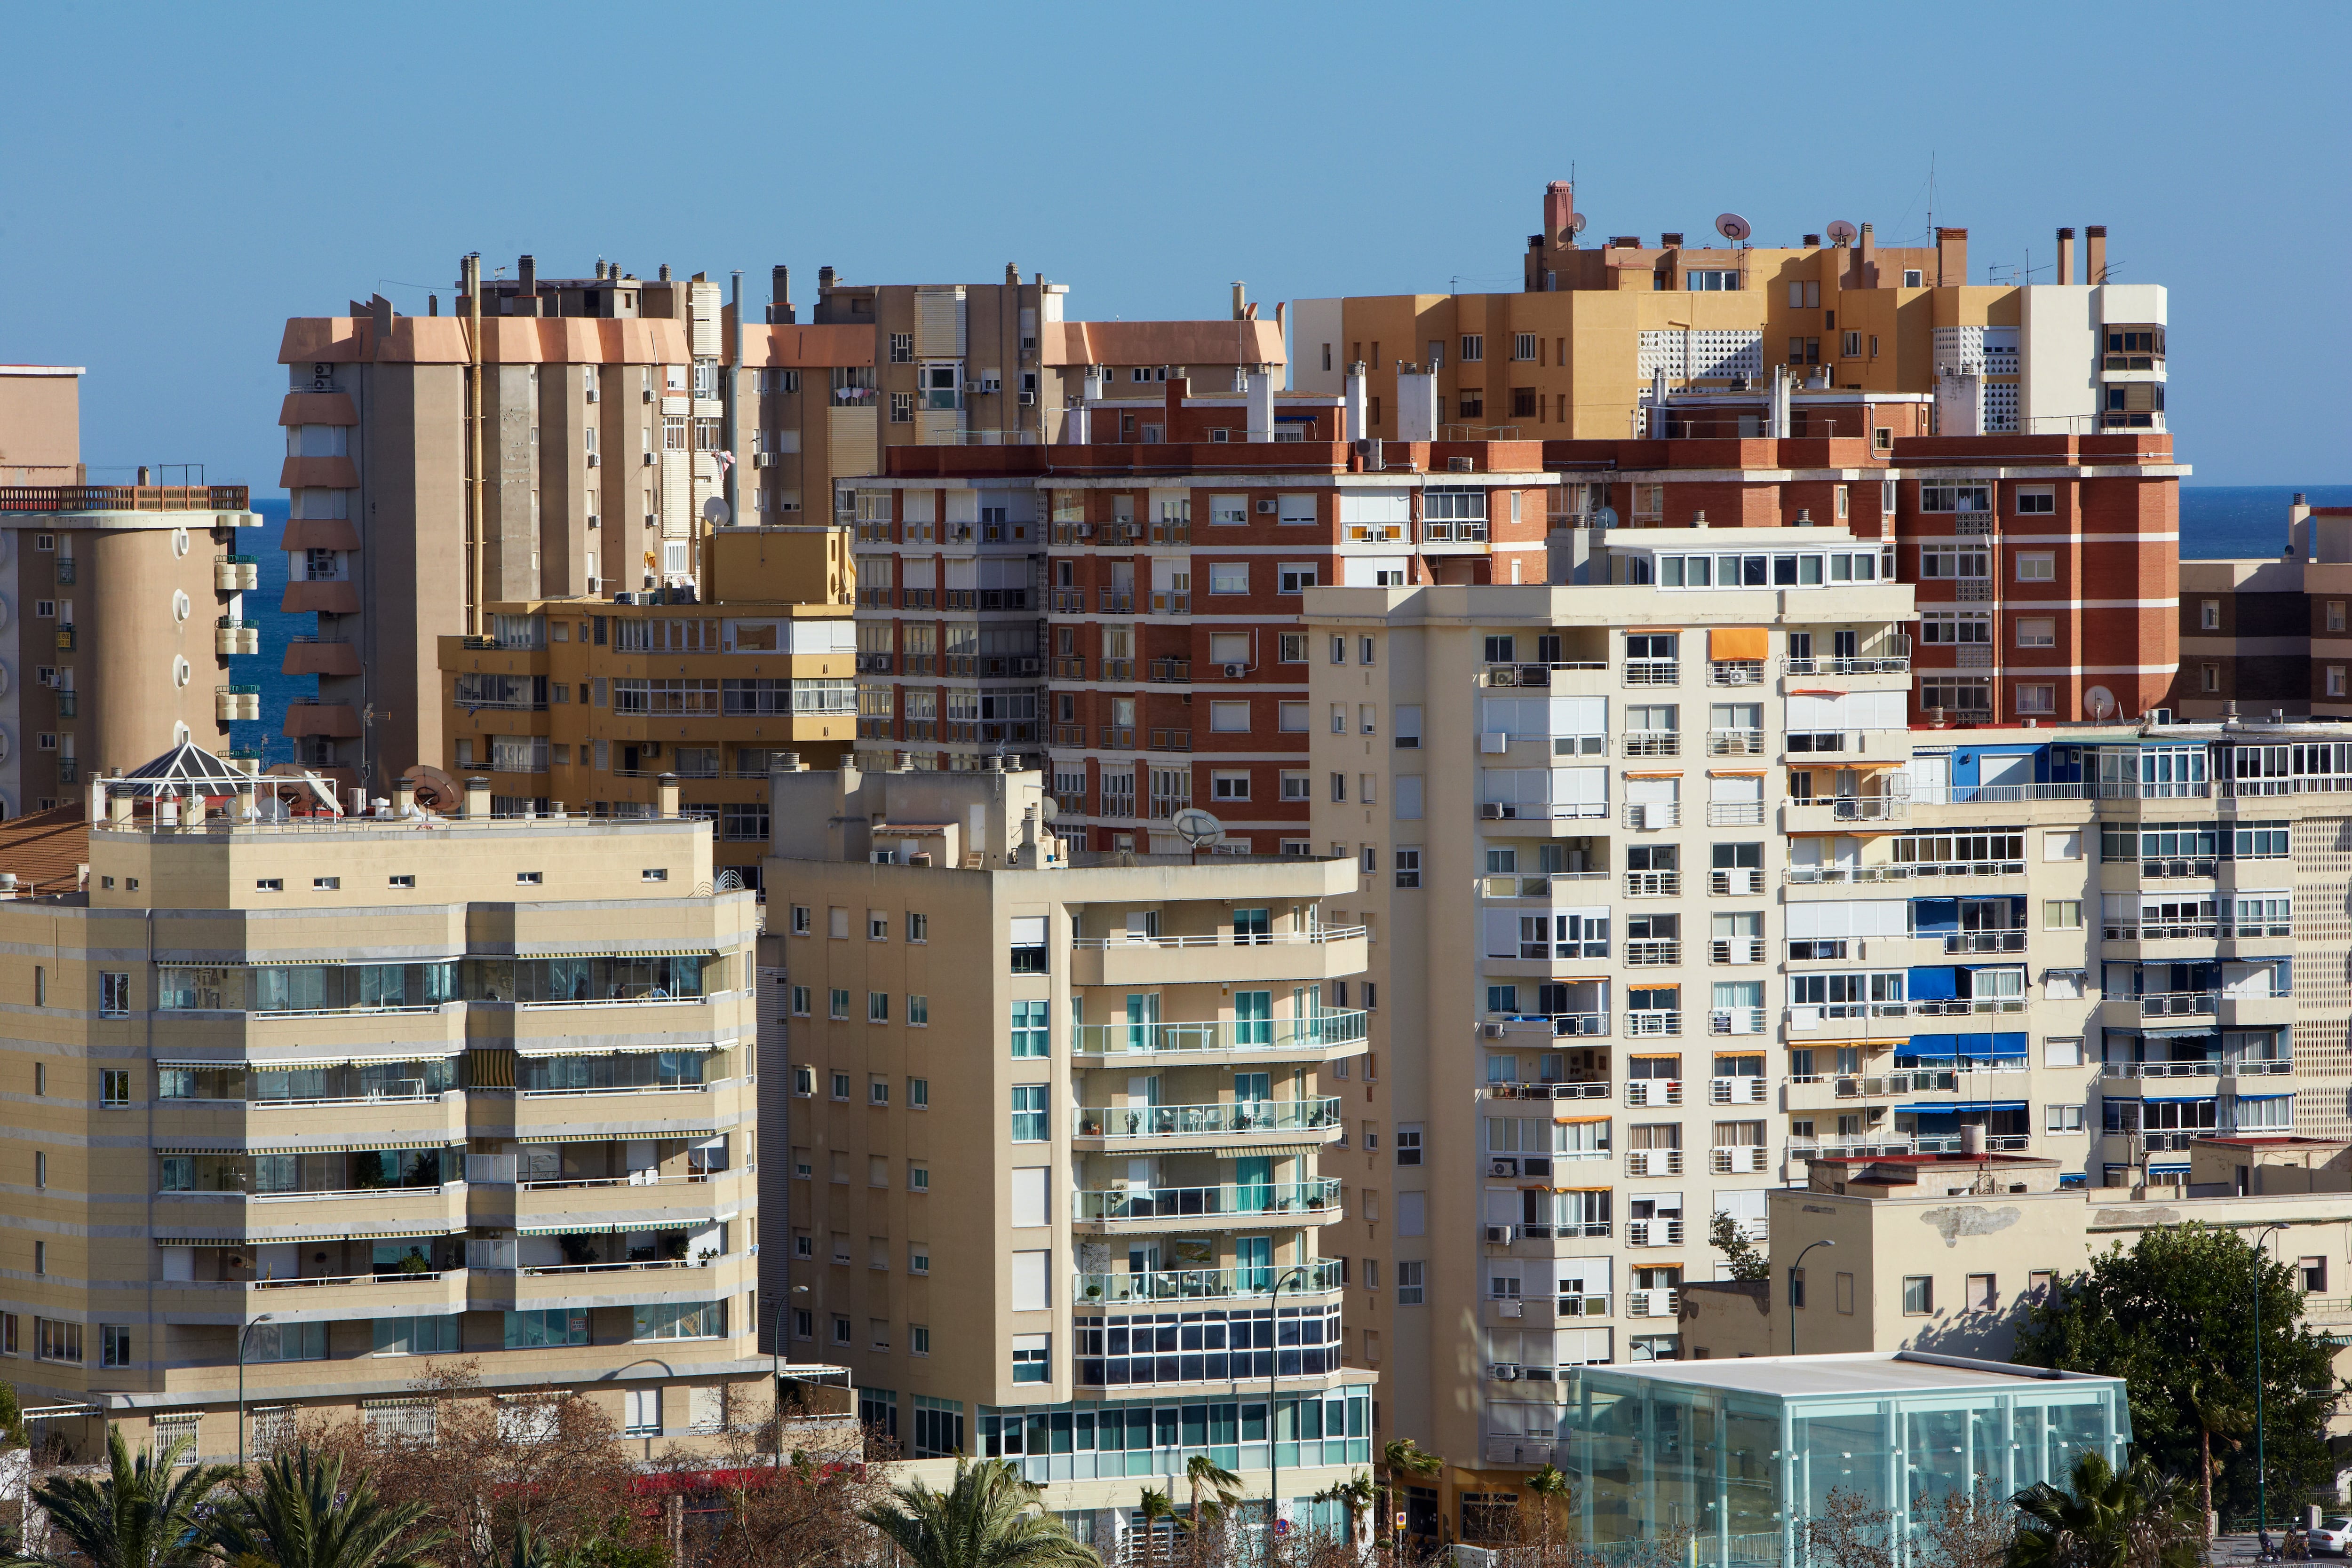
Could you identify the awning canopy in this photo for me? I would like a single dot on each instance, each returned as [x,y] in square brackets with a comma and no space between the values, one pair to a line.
[569,1228]
[1957,1105]
[585,1137]
[1737,643]
[573,1048]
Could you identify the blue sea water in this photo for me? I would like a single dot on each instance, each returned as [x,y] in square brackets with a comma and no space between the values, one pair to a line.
[2217,521]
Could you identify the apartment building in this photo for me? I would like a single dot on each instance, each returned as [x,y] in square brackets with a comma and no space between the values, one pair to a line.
[311,1106]
[2267,637]
[1126,602]
[1597,326]
[1073,1139]
[583,706]
[2045,566]
[120,605]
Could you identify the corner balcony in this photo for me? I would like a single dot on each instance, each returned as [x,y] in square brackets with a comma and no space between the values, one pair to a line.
[2173,1009]
[1133,1210]
[1827,813]
[641,1202]
[1545,1026]
[643,1282]
[1328,953]
[1238,1125]
[1542,1311]
[1338,1032]
[256,1217]
[310,1298]
[1322,1276]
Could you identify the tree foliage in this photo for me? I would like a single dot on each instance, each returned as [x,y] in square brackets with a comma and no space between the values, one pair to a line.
[2174,1317]
[2111,1519]
[989,1518]
[1739,1254]
[143,1514]
[300,1513]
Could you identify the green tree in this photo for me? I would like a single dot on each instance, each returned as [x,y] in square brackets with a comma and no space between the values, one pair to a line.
[142,1515]
[1355,1495]
[1550,1485]
[1399,1457]
[301,1513]
[1205,1474]
[1739,1254]
[2128,1519]
[2175,1315]
[1154,1506]
[12,1420]
[990,1518]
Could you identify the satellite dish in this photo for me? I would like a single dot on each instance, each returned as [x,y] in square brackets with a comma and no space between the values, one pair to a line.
[1047,811]
[1732,226]
[1198,829]
[1843,233]
[1606,517]
[1576,223]
[2099,703]
[715,510]
[434,789]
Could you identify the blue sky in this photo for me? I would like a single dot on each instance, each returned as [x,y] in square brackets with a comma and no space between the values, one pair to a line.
[175,181]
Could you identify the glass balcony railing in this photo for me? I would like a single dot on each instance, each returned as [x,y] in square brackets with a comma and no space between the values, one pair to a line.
[1339,1027]
[1202,1284]
[1317,1200]
[1195,1121]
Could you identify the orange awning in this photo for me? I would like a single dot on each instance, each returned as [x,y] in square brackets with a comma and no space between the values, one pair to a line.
[1571,1121]
[1676,774]
[1728,643]
[1735,773]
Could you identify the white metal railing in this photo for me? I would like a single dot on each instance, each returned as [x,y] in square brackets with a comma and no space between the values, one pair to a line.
[1651,1093]
[1658,1302]
[1533,674]
[1652,1162]
[1224,1117]
[387,1277]
[1538,886]
[1653,1021]
[1873,667]
[1735,1020]
[1740,1091]
[1735,743]
[2196,1069]
[1542,811]
[1735,672]
[1552,1023]
[1315,937]
[1651,743]
[1651,953]
[2179,1004]
[1738,1159]
[1736,950]
[1651,815]
[1856,808]
[1193,1284]
[1315,1199]
[1653,884]
[1653,673]
[1595,1089]
[1735,813]
[1654,1233]
[1339,1026]
[1850,874]
[1997,794]
[1739,882]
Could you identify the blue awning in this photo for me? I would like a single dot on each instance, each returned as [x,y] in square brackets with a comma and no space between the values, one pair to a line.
[2243,1097]
[1947,1047]
[1950,1107]
[2179,1099]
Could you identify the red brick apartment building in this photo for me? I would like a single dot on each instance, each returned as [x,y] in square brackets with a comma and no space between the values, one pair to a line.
[1129,601]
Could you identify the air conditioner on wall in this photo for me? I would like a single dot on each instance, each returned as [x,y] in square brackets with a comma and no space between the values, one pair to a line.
[595,460]
[1498,1235]
[1502,1167]
[1266,508]
[1491,1030]
[649,460]
[1235,671]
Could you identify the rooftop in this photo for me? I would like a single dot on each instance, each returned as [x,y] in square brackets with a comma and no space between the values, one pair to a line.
[1860,1375]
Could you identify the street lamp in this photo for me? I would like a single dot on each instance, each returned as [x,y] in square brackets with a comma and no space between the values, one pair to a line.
[1795,1269]
[776,1371]
[242,1335]
[2261,1471]
[1273,1367]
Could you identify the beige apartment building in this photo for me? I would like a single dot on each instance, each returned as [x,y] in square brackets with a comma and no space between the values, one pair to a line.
[351,1100]
[1670,863]
[1075,1142]
[586,704]
[120,605]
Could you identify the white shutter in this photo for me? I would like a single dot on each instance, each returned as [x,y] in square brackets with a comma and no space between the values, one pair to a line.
[1648,792]
[1033,1282]
[1735,789]
[1580,786]
[920,571]
[1808,712]
[1580,716]
[962,574]
[1408,798]
[1028,930]
[1032,1199]
[1374,506]
[1502,933]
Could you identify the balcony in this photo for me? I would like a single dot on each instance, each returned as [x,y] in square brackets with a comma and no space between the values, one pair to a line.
[1735,813]
[1651,954]
[1653,1021]
[1653,884]
[1658,1302]
[1735,743]
[1652,1162]
[1738,1159]
[1340,1028]
[1536,674]
[1736,950]
[1117,738]
[1735,672]
[1653,673]
[1119,670]
[1652,1093]
[1322,1275]
[1592,1089]
[1651,743]
[1822,811]
[1540,1311]
[1323,953]
[310,1297]
[1171,740]
[628,1282]
[1543,810]
[1871,1148]
[1736,881]
[1541,885]
[1740,1090]
[1735,1020]
[1179,1208]
[1115,601]
[1502,1026]
[1958,942]
[235,574]
[1241,1123]
[1175,671]
[1898,666]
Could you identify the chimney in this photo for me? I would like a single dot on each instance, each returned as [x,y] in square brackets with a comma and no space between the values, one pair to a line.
[665,796]
[1416,411]
[477,799]
[1952,257]
[526,297]
[432,305]
[120,799]
[1240,294]
[663,276]
[824,276]
[143,475]
[1261,407]
[1670,242]
[779,294]
[380,310]
[1866,259]
[2065,256]
[1812,242]
[789,762]
[1355,399]
[2095,256]
[1972,1136]
[600,269]
[1558,214]
[1012,275]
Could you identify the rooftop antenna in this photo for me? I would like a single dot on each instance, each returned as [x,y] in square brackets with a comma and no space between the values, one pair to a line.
[1733,228]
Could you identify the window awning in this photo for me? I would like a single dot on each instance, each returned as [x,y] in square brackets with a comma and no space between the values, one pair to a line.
[2179,1099]
[581,1137]
[1733,642]
[573,1048]
[1676,773]
[1735,773]
[573,950]
[571,1228]
[1970,1105]
[276,1064]
[2190,1031]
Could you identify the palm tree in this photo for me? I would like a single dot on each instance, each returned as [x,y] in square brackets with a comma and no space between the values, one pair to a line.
[1550,1485]
[530,1549]
[142,1515]
[1355,1494]
[2129,1518]
[304,1513]
[1404,1456]
[1205,1474]
[2216,1414]
[1154,1506]
[990,1518]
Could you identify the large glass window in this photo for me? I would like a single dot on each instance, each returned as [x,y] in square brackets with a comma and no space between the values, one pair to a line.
[546,1326]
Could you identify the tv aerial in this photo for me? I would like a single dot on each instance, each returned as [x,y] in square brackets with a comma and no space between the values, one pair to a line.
[2099,703]
[1198,829]
[1733,228]
[1843,233]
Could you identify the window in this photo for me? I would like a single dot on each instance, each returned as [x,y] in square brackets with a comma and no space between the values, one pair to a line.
[2335,680]
[800,927]
[2037,631]
[878,1090]
[1293,648]
[1291,718]
[1852,348]
[918,1093]
[1225,786]
[1408,1143]
[839,1009]
[114,1345]
[114,1089]
[2313,1273]
[2335,615]
[902,348]
[1229,577]
[918,1010]
[1028,944]
[841,1080]
[918,1177]
[2037,566]
[918,928]
[679,1320]
[113,993]
[2209,615]
[799,1001]
[1029,1112]
[878,1007]
[1474,348]
[1409,1283]
[2209,677]
[1919,1295]
[1296,576]
[1297,785]
[1031,1353]
[1230,718]
[2063,1118]
[1032,1035]
[2037,697]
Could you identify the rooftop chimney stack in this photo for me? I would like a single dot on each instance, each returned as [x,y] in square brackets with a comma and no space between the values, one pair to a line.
[477,799]
[2065,256]
[824,279]
[779,294]
[1558,214]
[1952,257]
[526,286]
[1239,295]
[2095,248]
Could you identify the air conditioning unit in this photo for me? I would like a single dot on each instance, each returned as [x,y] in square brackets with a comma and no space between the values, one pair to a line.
[1459,465]
[649,394]
[1235,671]
[764,459]
[1503,676]
[1491,810]
[592,394]
[1505,1373]
[652,519]
[1502,1167]
[1498,1235]
[595,520]
[595,460]
[1086,531]
[1028,400]
[649,459]
[1491,1030]
[1267,508]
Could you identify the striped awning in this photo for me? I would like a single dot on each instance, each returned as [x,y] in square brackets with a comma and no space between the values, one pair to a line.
[579,1137]
[565,950]
[345,1058]
[305,1238]
[570,1228]
[572,1048]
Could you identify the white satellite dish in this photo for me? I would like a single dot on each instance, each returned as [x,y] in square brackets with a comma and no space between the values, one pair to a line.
[1606,517]
[1843,233]
[1732,226]
[715,510]
[2099,703]
[1576,223]
[1046,808]
[1198,829]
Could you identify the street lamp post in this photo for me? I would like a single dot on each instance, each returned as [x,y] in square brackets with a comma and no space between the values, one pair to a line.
[1273,1368]
[2261,1469]
[776,1371]
[1796,1268]
[242,1335]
